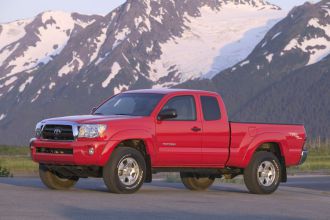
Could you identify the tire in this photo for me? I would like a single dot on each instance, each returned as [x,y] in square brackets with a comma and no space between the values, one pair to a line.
[119,180]
[195,182]
[53,181]
[263,174]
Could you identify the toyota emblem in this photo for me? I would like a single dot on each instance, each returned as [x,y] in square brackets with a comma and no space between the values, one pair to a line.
[57,131]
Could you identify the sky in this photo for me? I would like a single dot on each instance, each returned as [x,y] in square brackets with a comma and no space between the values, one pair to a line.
[11,10]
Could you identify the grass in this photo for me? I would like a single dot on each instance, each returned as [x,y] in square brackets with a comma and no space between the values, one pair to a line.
[17,161]
[14,151]
[318,160]
[19,165]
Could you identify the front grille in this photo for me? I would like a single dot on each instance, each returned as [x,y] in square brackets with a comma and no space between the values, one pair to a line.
[46,150]
[58,132]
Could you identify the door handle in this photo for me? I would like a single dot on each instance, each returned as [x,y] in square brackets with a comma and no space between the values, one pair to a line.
[196,129]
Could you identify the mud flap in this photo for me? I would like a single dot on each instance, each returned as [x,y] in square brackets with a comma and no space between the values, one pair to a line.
[284,176]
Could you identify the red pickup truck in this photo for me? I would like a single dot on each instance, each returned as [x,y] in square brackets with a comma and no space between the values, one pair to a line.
[137,133]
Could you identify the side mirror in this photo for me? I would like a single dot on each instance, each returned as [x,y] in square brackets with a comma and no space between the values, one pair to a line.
[167,114]
[93,110]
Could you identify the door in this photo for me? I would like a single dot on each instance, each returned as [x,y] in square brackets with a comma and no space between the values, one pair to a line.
[216,134]
[179,139]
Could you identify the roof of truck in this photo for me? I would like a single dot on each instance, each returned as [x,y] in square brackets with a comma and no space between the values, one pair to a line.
[168,91]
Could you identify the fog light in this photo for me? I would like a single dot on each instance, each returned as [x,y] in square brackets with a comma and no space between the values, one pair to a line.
[91,151]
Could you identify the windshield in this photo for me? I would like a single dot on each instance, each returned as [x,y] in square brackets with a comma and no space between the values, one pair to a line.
[135,104]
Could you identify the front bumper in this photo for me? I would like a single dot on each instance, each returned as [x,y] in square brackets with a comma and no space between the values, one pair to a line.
[303,157]
[71,152]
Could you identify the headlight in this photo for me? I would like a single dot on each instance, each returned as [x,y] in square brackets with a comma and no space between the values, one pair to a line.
[91,131]
[38,130]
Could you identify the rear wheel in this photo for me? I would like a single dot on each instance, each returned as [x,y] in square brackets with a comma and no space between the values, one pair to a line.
[196,182]
[53,181]
[263,174]
[126,171]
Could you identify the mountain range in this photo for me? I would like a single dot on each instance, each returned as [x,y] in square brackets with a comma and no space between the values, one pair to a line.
[267,64]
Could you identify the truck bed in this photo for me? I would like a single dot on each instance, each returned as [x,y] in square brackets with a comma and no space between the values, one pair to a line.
[290,139]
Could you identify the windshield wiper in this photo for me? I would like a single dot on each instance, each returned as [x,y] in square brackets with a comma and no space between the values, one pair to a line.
[98,113]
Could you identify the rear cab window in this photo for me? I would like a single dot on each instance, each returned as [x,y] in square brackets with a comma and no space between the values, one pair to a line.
[210,108]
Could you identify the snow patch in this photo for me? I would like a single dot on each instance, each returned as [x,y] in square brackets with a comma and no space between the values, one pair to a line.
[138,67]
[159,17]
[326,9]
[314,22]
[10,88]
[276,35]
[291,45]
[12,32]
[10,81]
[264,44]
[74,65]
[6,52]
[137,21]
[245,63]
[120,88]
[98,42]
[148,7]
[84,24]
[51,85]
[114,71]
[100,59]
[148,24]
[2,116]
[28,81]
[125,57]
[128,6]
[269,57]
[121,36]
[149,49]
[36,96]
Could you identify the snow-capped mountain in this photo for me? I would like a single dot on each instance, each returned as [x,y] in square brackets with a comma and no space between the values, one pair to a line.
[59,63]
[284,78]
[300,39]
[28,43]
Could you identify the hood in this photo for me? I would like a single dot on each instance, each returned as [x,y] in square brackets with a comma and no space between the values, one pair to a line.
[91,119]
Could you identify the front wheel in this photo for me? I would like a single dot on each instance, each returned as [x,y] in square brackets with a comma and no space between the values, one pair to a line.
[126,171]
[263,174]
[53,181]
[196,182]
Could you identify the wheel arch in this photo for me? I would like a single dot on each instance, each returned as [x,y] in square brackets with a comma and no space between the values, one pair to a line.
[140,140]
[133,136]
[275,141]
[276,145]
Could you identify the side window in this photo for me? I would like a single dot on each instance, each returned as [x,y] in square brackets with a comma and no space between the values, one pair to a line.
[210,106]
[184,106]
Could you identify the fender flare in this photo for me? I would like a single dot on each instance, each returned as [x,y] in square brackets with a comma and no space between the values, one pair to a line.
[123,135]
[268,137]
[140,134]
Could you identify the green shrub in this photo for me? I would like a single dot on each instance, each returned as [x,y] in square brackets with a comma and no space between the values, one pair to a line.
[4,172]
